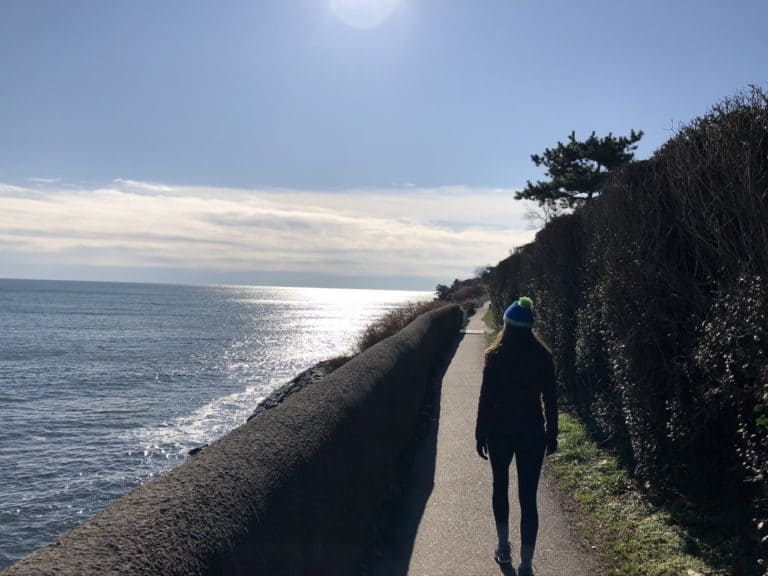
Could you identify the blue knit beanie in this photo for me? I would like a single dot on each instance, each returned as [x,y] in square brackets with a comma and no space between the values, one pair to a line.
[520,313]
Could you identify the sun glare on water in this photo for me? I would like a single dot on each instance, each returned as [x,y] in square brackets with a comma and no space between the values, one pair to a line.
[363,13]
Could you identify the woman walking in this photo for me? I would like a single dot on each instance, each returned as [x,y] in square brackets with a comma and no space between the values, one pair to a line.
[518,374]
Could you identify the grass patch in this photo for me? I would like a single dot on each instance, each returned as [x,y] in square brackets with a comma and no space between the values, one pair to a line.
[490,321]
[633,537]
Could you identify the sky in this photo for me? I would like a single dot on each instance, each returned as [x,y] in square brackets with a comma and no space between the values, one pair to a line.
[357,143]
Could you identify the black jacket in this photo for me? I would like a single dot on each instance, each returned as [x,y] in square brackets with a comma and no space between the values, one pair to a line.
[516,378]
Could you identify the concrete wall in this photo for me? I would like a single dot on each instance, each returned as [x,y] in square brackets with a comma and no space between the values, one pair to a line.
[291,492]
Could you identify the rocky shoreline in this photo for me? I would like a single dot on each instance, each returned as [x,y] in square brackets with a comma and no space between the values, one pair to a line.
[311,375]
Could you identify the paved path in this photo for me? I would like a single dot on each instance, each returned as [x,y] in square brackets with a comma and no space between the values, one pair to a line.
[446,525]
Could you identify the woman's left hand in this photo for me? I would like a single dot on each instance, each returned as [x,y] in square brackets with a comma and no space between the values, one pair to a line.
[551,445]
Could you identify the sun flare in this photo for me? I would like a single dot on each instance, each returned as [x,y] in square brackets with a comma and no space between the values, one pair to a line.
[363,13]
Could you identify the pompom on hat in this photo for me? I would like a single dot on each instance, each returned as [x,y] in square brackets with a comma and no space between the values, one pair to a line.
[520,313]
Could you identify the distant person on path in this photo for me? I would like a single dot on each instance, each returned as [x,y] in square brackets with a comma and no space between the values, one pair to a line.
[518,374]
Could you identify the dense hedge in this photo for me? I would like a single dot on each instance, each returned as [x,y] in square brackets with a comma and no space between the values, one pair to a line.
[653,297]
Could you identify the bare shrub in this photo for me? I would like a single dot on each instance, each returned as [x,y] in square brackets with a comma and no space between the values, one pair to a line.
[394,321]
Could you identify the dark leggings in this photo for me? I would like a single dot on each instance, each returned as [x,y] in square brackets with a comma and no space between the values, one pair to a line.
[529,452]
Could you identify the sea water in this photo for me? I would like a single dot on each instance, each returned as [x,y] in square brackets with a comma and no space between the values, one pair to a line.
[104,386]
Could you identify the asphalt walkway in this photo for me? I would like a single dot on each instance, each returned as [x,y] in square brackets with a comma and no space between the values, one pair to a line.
[446,525]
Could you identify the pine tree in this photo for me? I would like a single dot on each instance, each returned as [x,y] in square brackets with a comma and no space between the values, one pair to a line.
[577,169]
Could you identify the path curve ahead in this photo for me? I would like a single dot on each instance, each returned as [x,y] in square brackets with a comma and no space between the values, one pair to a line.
[446,526]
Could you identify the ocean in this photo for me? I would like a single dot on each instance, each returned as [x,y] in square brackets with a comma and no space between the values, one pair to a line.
[104,386]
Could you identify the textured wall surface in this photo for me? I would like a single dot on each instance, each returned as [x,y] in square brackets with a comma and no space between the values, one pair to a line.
[293,491]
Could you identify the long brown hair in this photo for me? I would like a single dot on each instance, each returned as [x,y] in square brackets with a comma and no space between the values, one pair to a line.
[513,337]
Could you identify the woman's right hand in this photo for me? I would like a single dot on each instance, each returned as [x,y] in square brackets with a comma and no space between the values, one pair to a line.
[482,449]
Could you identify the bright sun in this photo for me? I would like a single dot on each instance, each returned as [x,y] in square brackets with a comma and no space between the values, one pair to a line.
[363,13]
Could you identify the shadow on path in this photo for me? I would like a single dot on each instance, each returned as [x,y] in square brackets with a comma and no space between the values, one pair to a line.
[395,532]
